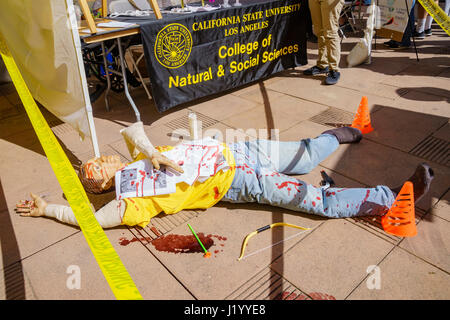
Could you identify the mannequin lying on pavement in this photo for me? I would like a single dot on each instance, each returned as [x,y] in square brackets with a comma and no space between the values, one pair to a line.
[247,171]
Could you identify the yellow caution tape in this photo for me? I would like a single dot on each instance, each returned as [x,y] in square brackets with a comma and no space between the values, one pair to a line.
[114,271]
[442,19]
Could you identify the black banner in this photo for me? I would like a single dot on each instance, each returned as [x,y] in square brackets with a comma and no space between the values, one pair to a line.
[193,56]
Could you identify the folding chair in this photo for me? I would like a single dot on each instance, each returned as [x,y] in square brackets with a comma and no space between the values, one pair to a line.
[347,14]
[122,6]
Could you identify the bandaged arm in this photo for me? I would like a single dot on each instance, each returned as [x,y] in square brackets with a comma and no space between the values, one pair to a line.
[108,216]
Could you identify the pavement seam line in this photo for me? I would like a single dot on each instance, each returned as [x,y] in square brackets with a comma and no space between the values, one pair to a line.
[40,250]
[168,270]
[367,275]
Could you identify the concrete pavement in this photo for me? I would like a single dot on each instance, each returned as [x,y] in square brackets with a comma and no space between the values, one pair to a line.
[410,111]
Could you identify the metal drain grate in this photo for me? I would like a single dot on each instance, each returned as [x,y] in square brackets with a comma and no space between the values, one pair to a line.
[433,149]
[267,285]
[163,224]
[13,286]
[183,122]
[402,91]
[334,117]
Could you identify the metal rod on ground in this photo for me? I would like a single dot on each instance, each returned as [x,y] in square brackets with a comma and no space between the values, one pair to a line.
[207,254]
[412,29]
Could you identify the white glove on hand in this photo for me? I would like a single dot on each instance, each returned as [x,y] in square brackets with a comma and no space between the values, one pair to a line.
[136,136]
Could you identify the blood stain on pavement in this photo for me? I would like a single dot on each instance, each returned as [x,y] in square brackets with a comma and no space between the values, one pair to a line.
[125,241]
[286,295]
[182,243]
[321,296]
[179,243]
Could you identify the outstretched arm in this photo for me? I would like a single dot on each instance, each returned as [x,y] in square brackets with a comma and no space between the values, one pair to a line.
[108,216]
[136,138]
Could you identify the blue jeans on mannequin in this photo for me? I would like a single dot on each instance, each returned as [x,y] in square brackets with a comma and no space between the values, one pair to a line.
[262,175]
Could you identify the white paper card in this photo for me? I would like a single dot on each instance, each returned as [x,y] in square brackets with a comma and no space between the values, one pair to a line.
[140,179]
[87,30]
[115,24]
[200,159]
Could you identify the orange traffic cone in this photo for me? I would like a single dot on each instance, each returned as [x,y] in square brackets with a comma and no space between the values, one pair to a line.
[400,219]
[362,117]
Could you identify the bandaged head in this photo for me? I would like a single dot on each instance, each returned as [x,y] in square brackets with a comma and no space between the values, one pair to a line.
[97,175]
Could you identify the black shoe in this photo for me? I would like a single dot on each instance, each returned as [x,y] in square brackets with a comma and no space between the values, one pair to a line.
[419,35]
[346,134]
[421,180]
[428,32]
[388,43]
[396,45]
[315,70]
[332,77]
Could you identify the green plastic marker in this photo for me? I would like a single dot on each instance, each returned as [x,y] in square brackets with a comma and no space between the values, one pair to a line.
[207,254]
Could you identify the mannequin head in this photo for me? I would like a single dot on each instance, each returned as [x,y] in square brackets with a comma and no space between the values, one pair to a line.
[97,174]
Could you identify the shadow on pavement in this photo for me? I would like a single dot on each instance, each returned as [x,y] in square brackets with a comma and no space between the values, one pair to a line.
[436,94]
[12,265]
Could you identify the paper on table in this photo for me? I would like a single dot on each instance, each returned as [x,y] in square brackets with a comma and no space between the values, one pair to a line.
[140,179]
[115,24]
[204,8]
[87,30]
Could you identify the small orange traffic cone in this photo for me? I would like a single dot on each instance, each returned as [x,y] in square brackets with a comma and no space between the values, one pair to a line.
[362,117]
[400,219]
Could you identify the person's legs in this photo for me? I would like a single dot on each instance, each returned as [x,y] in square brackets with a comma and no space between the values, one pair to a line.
[330,10]
[409,32]
[406,40]
[429,20]
[280,190]
[294,157]
[447,7]
[254,181]
[421,19]
[316,17]
[428,23]
[289,193]
[258,158]
[259,161]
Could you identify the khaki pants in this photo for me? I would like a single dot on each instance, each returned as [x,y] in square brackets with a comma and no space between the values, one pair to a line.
[325,19]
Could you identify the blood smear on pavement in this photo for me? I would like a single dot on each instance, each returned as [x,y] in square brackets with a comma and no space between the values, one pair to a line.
[182,243]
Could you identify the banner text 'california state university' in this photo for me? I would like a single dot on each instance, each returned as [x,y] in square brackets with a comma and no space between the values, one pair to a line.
[194,56]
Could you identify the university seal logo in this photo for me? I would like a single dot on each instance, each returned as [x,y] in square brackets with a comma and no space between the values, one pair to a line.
[173,45]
